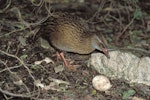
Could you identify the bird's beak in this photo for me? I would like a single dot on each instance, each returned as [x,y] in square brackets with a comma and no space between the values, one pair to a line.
[106,53]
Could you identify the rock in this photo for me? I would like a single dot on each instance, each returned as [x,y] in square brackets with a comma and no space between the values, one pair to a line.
[122,65]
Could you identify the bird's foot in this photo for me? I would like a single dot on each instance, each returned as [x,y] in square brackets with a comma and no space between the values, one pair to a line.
[69,65]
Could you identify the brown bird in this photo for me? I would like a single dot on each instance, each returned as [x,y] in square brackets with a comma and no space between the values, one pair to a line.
[71,34]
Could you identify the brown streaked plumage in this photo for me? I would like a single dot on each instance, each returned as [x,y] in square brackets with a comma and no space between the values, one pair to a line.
[71,34]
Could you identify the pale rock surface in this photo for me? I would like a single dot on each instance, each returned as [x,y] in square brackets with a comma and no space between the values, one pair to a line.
[122,65]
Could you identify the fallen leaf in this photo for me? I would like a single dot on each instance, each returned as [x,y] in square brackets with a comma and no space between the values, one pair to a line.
[59,68]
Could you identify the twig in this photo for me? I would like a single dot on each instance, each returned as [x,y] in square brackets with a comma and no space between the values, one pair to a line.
[27,24]
[38,4]
[13,94]
[13,32]
[14,67]
[4,9]
[22,63]
[127,26]
[29,71]
[99,9]
[16,76]
[136,49]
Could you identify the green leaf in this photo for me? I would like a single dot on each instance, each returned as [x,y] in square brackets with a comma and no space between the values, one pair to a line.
[138,14]
[137,32]
[23,56]
[35,67]
[18,26]
[55,98]
[94,92]
[33,1]
[128,93]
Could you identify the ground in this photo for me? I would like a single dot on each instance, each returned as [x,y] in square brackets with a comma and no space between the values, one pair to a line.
[19,76]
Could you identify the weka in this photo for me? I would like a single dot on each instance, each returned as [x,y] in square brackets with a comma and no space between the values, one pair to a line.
[71,34]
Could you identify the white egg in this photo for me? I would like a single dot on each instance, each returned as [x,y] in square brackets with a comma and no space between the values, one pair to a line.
[101,83]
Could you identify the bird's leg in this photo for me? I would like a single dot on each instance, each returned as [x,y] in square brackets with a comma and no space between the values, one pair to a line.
[67,64]
[58,56]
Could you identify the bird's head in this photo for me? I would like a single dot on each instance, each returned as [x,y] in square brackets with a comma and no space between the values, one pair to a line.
[99,45]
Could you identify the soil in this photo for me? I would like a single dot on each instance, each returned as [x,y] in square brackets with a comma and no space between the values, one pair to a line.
[19,52]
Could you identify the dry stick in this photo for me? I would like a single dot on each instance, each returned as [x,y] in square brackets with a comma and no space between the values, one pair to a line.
[13,32]
[136,49]
[99,9]
[26,24]
[38,4]
[103,20]
[108,14]
[16,95]
[125,29]
[4,9]
[29,71]
[9,68]
[126,25]
[48,9]
[7,98]
[13,94]
[5,63]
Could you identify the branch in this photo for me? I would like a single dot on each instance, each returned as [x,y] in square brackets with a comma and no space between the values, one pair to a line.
[29,71]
